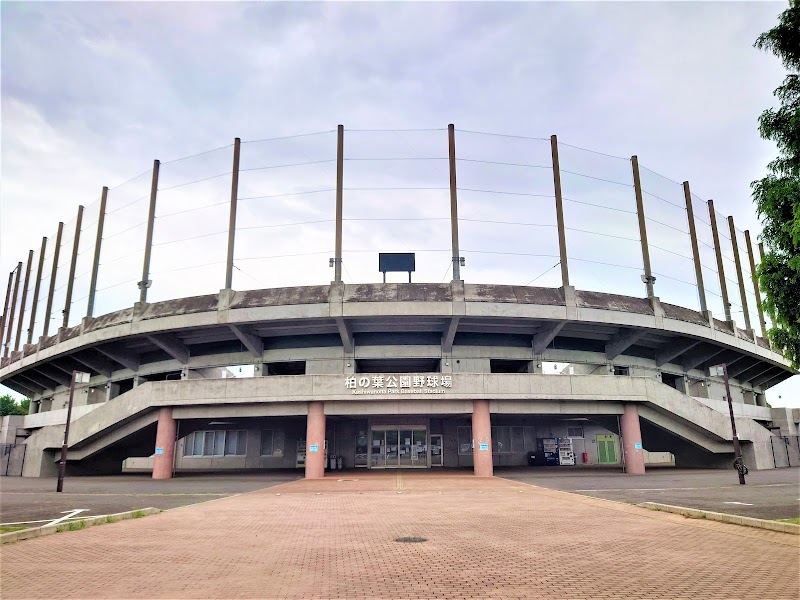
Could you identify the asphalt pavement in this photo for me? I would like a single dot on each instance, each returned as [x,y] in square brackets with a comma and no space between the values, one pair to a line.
[35,499]
[767,494]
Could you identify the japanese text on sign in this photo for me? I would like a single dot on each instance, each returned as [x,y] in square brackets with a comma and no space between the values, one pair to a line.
[398,384]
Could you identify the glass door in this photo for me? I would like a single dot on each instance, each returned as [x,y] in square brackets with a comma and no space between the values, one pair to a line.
[406,444]
[378,454]
[436,451]
[419,449]
[392,450]
[362,450]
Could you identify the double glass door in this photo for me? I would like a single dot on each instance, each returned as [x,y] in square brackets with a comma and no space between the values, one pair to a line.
[399,448]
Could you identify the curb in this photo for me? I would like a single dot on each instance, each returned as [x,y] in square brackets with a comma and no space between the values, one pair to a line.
[695,513]
[34,532]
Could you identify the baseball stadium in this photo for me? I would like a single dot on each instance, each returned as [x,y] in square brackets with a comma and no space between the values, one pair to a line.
[392,299]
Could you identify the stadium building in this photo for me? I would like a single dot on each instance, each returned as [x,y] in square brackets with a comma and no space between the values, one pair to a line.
[390,375]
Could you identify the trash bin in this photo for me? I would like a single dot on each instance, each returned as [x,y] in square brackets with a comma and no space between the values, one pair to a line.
[339,462]
[333,462]
[531,458]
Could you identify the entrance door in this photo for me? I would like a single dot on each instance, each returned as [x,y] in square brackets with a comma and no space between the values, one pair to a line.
[436,451]
[395,447]
[378,450]
[606,450]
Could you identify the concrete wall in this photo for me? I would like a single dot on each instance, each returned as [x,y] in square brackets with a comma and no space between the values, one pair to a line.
[520,395]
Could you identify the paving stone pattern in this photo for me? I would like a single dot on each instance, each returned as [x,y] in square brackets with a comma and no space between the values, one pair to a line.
[334,538]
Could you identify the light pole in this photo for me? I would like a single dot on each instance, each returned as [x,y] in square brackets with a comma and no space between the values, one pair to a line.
[77,377]
[738,463]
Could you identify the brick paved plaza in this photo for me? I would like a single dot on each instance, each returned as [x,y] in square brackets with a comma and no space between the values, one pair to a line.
[334,538]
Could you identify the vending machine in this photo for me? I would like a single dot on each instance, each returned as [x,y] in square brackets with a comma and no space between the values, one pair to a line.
[566,454]
[550,451]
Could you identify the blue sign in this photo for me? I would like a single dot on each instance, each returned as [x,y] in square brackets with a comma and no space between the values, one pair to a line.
[396,261]
[484,446]
[313,448]
[638,445]
[159,451]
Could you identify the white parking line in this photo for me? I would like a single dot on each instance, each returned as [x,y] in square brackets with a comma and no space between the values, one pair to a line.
[49,520]
[71,514]
[740,503]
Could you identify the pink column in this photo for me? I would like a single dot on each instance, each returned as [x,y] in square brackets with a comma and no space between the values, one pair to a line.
[632,440]
[315,441]
[482,439]
[164,458]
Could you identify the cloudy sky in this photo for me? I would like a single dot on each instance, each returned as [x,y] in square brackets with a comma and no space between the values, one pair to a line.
[92,93]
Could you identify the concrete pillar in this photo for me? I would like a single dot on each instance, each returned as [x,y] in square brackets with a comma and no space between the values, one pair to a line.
[165,445]
[632,440]
[315,441]
[482,439]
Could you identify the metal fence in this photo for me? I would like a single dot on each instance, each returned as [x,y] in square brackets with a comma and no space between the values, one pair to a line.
[277,212]
[12,459]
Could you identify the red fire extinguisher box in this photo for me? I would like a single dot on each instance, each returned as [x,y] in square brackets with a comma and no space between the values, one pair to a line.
[585,457]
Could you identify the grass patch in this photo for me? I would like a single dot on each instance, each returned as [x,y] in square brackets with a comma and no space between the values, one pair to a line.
[795,520]
[138,514]
[71,526]
[9,529]
[110,519]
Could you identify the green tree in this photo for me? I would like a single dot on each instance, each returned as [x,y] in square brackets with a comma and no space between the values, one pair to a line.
[9,406]
[777,196]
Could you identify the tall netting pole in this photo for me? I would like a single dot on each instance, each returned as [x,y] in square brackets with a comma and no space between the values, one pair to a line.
[698,268]
[562,236]
[726,305]
[761,254]
[13,309]
[98,241]
[71,278]
[337,256]
[54,272]
[22,301]
[756,289]
[4,317]
[237,144]
[36,289]
[148,244]
[739,275]
[649,280]
[451,150]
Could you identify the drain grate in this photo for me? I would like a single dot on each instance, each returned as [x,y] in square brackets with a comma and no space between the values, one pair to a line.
[411,540]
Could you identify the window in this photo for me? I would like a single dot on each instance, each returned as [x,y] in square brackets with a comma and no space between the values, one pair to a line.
[465,440]
[505,439]
[297,367]
[575,432]
[501,440]
[215,443]
[509,366]
[271,443]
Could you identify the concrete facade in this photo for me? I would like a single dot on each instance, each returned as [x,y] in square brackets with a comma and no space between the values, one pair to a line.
[397,375]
